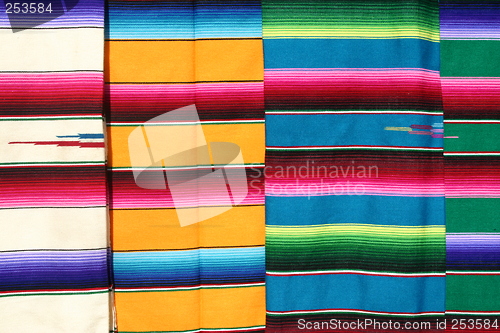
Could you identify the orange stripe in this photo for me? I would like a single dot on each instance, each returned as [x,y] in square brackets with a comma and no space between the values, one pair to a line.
[160,229]
[190,310]
[250,138]
[169,61]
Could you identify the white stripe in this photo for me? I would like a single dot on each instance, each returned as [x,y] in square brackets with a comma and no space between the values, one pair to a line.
[472,313]
[27,164]
[187,123]
[455,121]
[81,313]
[190,167]
[472,273]
[48,117]
[52,50]
[354,112]
[354,147]
[257,284]
[355,272]
[471,154]
[355,311]
[221,329]
[46,228]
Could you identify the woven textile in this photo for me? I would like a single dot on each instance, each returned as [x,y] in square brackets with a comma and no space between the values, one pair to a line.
[369,201]
[355,192]
[53,220]
[163,56]
[471,92]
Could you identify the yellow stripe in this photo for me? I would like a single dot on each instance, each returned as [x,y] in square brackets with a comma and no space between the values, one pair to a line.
[160,229]
[180,310]
[357,229]
[250,138]
[169,61]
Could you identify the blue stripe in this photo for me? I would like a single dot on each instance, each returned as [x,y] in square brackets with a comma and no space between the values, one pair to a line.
[381,210]
[345,129]
[166,20]
[351,53]
[349,291]
[182,268]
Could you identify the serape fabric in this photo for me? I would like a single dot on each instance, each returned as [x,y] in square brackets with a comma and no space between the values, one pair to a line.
[471,90]
[162,56]
[377,164]
[354,150]
[53,220]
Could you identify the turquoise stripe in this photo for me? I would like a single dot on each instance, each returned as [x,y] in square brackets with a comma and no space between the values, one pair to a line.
[361,292]
[345,129]
[380,210]
[351,53]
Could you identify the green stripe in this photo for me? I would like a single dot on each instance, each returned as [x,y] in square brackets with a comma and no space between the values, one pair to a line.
[472,137]
[473,292]
[470,58]
[472,214]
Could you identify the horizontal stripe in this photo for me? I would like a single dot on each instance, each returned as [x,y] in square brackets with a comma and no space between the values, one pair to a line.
[188,288]
[34,228]
[357,130]
[352,321]
[57,270]
[324,53]
[484,213]
[47,141]
[480,172]
[361,19]
[356,89]
[472,293]
[159,229]
[126,194]
[473,20]
[360,272]
[51,94]
[354,246]
[56,47]
[395,211]
[473,137]
[473,252]
[78,312]
[242,329]
[188,268]
[184,308]
[456,55]
[353,147]
[351,172]
[213,60]
[77,186]
[215,101]
[175,20]
[315,292]
[471,98]
[278,314]
[249,137]
[310,112]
